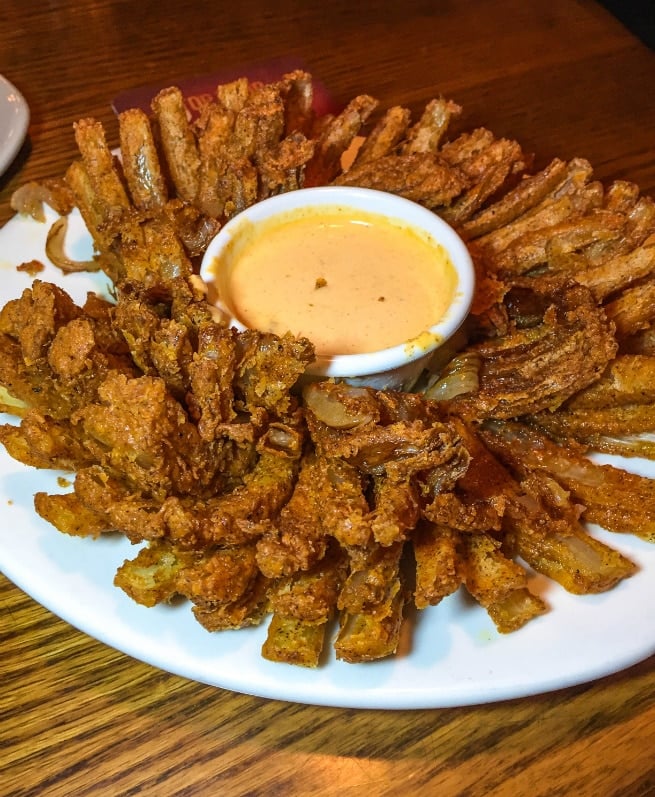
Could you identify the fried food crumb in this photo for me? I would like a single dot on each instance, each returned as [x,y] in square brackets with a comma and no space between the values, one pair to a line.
[31,267]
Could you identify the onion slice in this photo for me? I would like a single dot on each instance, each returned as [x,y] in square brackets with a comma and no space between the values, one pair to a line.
[460,375]
[55,250]
[30,198]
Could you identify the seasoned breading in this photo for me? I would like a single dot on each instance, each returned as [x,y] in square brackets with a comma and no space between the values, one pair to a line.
[438,563]
[389,131]
[297,91]
[426,135]
[141,166]
[497,582]
[335,138]
[178,142]
[422,177]
[613,498]
[297,539]
[543,364]
[256,492]
[109,196]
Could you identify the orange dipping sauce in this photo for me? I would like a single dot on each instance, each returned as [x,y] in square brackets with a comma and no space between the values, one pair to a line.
[350,281]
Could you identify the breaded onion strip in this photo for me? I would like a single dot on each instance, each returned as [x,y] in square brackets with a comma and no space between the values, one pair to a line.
[213,142]
[281,169]
[615,499]
[427,133]
[569,196]
[621,196]
[618,272]
[371,603]
[233,95]
[396,509]
[335,139]
[140,160]
[539,522]
[178,142]
[297,539]
[92,212]
[302,605]
[638,231]
[540,367]
[110,195]
[55,245]
[527,194]
[465,206]
[384,137]
[422,177]
[628,379]
[534,248]
[297,90]
[294,641]
[245,611]
[68,515]
[612,430]
[439,566]
[634,309]
[498,583]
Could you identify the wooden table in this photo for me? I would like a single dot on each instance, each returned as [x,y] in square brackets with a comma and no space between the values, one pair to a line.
[78,718]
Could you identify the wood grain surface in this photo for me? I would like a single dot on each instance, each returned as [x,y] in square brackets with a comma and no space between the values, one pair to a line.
[78,718]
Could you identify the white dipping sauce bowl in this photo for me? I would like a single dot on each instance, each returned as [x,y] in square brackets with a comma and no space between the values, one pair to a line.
[393,368]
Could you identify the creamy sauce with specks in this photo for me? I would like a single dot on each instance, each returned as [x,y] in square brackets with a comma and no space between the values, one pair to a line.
[350,281]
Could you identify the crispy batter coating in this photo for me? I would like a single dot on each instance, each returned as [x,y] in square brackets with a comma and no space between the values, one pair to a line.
[141,166]
[539,523]
[426,135]
[390,130]
[422,177]
[438,562]
[251,495]
[296,540]
[178,142]
[537,366]
[337,135]
[110,198]
[613,498]
[498,583]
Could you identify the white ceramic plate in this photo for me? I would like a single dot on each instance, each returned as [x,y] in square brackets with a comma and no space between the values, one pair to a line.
[451,654]
[14,119]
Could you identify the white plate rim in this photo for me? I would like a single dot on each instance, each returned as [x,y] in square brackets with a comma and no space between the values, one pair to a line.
[14,122]
[455,657]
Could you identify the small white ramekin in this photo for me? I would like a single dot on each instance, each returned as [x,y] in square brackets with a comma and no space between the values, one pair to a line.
[396,367]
